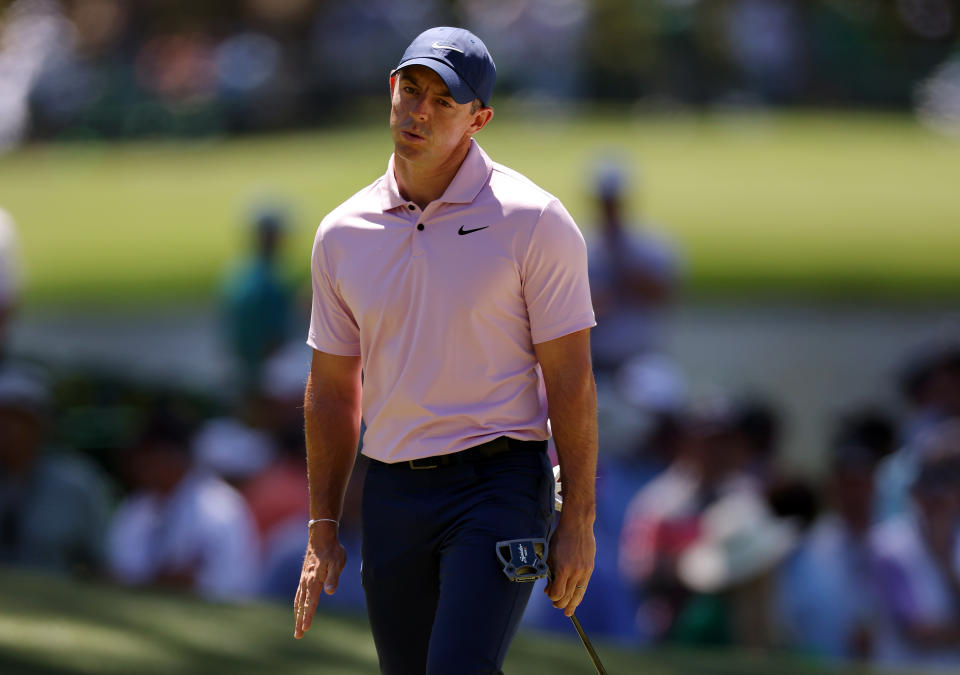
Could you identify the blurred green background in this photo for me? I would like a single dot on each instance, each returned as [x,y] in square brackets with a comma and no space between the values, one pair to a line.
[814,205]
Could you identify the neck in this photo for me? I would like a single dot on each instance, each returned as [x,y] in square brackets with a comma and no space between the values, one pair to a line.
[423,184]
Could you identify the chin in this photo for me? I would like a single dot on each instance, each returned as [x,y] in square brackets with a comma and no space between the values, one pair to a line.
[406,151]
[401,150]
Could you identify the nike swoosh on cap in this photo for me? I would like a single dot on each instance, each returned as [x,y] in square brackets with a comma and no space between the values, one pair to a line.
[462,231]
[437,45]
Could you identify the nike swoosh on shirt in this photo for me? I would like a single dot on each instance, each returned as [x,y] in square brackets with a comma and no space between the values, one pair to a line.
[462,231]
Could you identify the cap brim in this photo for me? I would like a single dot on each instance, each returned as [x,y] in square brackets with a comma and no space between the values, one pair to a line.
[459,90]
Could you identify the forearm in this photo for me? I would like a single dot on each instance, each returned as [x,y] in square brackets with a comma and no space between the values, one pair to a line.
[572,402]
[332,431]
[572,406]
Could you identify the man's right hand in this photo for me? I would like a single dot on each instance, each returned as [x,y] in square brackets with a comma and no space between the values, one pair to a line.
[322,565]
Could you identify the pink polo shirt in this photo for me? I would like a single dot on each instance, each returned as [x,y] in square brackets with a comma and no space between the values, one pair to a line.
[444,317]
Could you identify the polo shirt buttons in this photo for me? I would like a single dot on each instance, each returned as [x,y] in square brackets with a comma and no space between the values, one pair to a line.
[416,243]
[412,207]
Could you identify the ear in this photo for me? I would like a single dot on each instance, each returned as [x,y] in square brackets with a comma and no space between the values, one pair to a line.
[480,119]
[393,80]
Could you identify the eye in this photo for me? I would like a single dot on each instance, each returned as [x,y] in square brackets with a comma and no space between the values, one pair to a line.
[445,103]
[409,90]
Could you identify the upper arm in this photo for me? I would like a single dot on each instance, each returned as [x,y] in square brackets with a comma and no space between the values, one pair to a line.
[565,356]
[332,375]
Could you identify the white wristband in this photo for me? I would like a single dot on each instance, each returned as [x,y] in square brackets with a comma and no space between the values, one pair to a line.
[311,523]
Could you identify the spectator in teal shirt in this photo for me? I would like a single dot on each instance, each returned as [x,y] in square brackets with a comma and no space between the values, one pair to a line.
[257,300]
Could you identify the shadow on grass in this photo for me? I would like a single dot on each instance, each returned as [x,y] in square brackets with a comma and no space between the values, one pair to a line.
[50,625]
[55,626]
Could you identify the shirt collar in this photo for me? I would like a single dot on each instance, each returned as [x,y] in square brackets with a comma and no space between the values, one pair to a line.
[471,177]
[389,190]
[473,174]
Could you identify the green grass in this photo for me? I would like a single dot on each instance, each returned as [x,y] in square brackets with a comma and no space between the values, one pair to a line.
[49,625]
[810,204]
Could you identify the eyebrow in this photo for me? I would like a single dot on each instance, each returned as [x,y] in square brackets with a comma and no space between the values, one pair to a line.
[404,75]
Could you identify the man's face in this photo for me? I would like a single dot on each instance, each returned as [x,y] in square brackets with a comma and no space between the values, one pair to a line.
[427,125]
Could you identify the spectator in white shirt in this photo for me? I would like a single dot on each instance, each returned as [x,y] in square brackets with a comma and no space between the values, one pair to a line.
[182,526]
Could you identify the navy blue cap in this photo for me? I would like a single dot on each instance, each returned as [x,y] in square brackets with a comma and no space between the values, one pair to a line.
[460,59]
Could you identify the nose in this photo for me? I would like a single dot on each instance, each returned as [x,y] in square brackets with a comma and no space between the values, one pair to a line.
[419,109]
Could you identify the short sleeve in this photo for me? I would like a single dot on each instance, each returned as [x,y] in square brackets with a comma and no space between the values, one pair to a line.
[333,328]
[555,283]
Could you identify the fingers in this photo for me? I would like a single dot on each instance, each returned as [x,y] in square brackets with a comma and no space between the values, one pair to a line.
[579,590]
[306,601]
[332,580]
[318,576]
[556,585]
[566,590]
[297,603]
[308,593]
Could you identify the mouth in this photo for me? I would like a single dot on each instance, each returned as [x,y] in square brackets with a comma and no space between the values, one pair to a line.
[411,136]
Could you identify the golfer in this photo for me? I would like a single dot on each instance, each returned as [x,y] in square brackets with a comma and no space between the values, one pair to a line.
[451,311]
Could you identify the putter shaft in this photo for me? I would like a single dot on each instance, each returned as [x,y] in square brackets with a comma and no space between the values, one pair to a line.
[586,643]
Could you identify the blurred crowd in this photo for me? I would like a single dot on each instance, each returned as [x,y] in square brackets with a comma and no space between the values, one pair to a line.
[705,535]
[88,69]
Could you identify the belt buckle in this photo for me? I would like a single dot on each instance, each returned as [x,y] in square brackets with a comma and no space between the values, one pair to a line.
[413,465]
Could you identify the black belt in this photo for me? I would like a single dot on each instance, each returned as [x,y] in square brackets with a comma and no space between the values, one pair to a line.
[486,450]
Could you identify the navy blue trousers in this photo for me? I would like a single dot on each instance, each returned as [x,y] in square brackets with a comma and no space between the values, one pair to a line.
[437,598]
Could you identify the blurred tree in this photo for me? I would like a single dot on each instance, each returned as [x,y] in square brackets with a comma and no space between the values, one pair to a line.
[620,49]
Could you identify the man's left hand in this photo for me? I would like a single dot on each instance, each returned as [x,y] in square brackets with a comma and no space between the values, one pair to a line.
[572,551]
